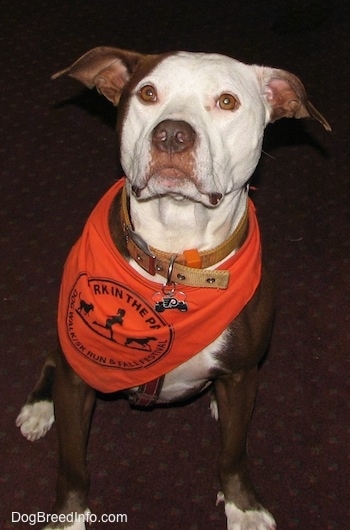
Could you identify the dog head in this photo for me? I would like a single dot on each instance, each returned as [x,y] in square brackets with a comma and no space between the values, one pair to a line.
[190,125]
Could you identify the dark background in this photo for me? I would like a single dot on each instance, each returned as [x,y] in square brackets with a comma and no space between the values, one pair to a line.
[58,156]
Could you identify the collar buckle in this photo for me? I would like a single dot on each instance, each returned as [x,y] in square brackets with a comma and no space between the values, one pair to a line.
[146,259]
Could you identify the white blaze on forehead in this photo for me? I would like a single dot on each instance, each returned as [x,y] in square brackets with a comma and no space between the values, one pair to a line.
[207,75]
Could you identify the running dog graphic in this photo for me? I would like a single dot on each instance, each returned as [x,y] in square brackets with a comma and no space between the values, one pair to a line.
[140,343]
[85,306]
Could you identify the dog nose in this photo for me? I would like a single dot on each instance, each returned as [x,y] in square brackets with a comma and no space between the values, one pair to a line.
[173,136]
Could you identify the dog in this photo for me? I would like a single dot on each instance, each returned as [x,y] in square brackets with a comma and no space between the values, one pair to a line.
[140,343]
[180,231]
[85,306]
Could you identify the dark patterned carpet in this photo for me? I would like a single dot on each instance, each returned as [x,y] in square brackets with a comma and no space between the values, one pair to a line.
[57,158]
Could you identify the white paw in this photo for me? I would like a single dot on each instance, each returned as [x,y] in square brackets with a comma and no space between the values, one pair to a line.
[35,419]
[77,525]
[214,409]
[74,521]
[249,520]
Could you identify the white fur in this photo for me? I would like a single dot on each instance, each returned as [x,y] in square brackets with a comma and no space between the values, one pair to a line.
[246,520]
[35,419]
[192,376]
[80,525]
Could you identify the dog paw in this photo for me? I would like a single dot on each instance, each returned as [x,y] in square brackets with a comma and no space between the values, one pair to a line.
[73,523]
[246,520]
[77,525]
[35,419]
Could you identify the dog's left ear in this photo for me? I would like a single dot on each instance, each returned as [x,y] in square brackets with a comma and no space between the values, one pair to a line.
[108,69]
[286,96]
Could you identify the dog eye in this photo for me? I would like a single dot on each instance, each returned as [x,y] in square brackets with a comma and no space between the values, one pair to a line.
[148,94]
[228,102]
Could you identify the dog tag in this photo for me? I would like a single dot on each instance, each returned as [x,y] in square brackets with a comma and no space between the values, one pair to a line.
[169,298]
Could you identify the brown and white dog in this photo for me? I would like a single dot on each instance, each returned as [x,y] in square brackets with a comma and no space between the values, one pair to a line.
[190,129]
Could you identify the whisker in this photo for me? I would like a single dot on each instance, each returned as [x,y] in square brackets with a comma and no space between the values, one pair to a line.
[267,154]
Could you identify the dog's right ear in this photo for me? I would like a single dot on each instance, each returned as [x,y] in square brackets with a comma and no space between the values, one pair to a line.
[108,69]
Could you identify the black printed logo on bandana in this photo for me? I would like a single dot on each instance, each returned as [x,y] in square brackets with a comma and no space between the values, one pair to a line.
[113,326]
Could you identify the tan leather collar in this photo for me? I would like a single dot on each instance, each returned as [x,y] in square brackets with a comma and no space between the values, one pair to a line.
[188,268]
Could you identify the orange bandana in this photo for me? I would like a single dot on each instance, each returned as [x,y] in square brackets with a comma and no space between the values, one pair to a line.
[112,322]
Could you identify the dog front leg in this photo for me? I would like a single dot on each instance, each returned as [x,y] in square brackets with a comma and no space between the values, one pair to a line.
[74,402]
[37,416]
[235,395]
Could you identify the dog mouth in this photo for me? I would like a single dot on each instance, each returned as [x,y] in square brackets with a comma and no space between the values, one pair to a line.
[175,182]
[171,177]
